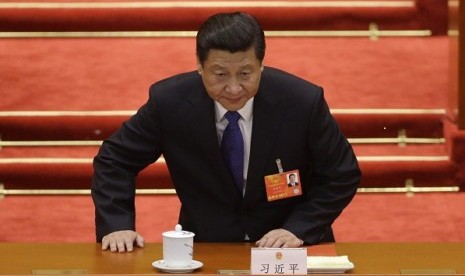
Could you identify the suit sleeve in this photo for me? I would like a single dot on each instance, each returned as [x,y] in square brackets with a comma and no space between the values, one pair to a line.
[333,180]
[121,157]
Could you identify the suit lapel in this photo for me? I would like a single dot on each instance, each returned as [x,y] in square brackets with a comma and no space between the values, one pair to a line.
[267,118]
[200,118]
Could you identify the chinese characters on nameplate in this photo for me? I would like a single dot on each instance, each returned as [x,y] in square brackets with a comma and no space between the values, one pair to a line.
[279,261]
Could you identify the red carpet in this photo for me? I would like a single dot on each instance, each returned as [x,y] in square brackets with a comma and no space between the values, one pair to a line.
[114,74]
[370,217]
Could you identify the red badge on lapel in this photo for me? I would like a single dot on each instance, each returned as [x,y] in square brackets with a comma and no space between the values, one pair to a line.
[283,185]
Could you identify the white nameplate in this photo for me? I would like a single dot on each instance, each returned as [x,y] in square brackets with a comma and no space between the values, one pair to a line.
[272,261]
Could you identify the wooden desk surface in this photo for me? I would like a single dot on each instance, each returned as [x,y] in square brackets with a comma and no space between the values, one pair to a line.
[369,258]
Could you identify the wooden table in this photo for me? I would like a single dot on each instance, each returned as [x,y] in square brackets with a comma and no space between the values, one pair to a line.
[369,258]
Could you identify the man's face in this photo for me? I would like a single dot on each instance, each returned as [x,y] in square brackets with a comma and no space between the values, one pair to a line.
[231,78]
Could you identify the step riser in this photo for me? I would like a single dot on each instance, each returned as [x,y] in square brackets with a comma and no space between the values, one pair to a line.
[100,127]
[300,15]
[156,176]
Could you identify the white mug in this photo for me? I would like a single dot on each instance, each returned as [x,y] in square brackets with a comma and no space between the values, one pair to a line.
[178,247]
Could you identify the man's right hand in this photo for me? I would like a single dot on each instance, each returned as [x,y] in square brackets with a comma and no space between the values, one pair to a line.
[122,241]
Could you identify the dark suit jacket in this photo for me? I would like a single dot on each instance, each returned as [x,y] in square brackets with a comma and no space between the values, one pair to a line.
[178,121]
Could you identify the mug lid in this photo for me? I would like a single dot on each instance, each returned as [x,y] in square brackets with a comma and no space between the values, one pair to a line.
[178,233]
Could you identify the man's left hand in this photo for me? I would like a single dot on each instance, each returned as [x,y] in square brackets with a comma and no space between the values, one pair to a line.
[279,238]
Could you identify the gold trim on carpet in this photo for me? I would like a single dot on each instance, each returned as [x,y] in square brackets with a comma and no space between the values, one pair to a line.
[51,160]
[4,192]
[419,158]
[90,143]
[454,3]
[388,111]
[27,113]
[395,140]
[45,160]
[453,33]
[29,192]
[208,4]
[410,190]
[141,34]
[373,34]
[70,143]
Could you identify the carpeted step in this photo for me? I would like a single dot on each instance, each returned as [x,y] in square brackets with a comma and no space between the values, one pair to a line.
[95,74]
[71,167]
[100,125]
[187,15]
[401,173]
[391,165]
[60,167]
[114,74]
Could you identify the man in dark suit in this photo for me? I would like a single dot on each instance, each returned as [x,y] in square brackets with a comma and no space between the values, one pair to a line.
[186,119]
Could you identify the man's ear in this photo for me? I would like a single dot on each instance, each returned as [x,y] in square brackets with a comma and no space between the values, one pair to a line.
[199,67]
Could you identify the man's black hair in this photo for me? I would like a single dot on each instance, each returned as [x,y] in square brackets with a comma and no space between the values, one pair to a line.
[233,32]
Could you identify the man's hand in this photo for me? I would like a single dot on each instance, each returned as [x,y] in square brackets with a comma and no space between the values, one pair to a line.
[122,241]
[279,238]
